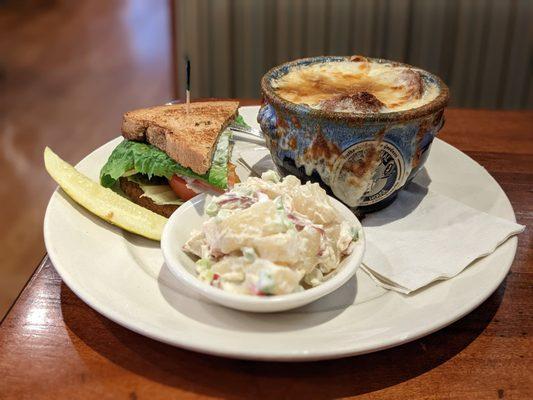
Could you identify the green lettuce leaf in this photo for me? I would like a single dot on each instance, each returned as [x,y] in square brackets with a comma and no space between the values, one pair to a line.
[146,159]
[240,121]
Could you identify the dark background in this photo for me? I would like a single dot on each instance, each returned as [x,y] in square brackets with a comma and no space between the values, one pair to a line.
[480,48]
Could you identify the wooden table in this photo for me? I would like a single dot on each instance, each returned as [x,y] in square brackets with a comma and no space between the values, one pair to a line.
[53,346]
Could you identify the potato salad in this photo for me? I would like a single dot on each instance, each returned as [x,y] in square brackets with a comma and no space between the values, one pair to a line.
[271,236]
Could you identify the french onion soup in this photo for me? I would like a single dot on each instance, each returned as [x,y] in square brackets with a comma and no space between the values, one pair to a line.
[356,86]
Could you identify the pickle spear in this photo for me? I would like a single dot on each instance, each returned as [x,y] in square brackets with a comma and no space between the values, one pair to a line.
[103,202]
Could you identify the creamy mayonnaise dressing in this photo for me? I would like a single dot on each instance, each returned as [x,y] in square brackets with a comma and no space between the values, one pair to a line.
[270,236]
[356,86]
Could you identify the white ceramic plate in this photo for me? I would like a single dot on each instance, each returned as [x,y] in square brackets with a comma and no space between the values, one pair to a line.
[191,215]
[124,277]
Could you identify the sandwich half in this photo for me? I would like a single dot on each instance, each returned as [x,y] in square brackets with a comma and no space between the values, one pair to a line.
[170,154]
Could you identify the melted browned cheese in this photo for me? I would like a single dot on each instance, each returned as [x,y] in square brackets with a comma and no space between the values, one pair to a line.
[356,86]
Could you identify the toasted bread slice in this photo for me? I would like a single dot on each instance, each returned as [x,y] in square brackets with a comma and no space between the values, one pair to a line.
[135,194]
[189,138]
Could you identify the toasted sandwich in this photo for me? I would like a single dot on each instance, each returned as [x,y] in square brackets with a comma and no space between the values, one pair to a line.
[171,153]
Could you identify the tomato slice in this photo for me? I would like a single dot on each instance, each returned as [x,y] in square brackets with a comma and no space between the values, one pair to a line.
[207,187]
[179,186]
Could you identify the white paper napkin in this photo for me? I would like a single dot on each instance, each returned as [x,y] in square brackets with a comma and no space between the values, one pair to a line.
[425,236]
[422,237]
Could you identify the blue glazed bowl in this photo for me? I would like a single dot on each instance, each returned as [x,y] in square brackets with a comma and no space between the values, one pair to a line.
[363,159]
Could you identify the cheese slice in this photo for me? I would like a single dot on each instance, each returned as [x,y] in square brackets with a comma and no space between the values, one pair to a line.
[159,194]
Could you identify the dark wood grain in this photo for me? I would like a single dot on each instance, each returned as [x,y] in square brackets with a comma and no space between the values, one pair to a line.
[54,346]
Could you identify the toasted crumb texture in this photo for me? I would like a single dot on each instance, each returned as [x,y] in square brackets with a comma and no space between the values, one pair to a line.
[189,138]
[134,193]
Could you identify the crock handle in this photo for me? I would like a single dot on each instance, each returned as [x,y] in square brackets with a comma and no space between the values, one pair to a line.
[267,119]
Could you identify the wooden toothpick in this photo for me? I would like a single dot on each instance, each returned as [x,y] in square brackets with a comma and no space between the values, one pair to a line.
[188,91]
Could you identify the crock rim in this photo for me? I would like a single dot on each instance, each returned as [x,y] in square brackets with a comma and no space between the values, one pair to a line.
[270,95]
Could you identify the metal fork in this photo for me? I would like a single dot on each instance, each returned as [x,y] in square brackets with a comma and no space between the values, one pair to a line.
[248,130]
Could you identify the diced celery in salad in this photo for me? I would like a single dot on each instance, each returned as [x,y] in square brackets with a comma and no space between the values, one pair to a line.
[271,236]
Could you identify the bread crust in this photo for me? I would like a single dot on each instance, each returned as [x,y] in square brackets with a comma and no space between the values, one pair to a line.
[134,193]
[189,138]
